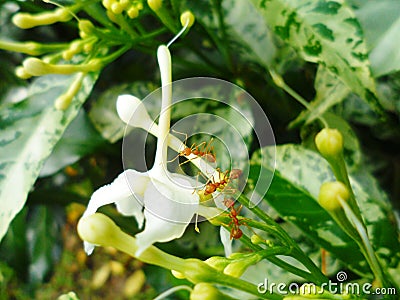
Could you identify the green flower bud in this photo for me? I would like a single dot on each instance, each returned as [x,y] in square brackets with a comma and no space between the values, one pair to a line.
[236,268]
[111,16]
[241,263]
[63,14]
[187,18]
[198,271]
[68,54]
[154,4]
[177,274]
[256,240]
[206,291]
[86,26]
[329,194]
[88,47]
[76,46]
[278,80]
[217,262]
[329,142]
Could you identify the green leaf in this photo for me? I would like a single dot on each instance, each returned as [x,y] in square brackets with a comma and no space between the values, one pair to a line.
[293,194]
[30,130]
[45,243]
[327,33]
[248,37]
[330,91]
[248,28]
[80,139]
[14,246]
[380,21]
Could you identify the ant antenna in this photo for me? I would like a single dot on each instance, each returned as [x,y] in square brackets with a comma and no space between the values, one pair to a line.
[178,34]
[60,6]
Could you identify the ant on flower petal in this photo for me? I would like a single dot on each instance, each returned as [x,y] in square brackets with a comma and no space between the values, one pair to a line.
[206,152]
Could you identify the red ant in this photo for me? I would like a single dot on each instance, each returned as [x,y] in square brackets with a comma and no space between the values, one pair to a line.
[212,186]
[195,150]
[236,232]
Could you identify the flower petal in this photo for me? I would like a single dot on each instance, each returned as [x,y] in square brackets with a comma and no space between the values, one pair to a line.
[168,211]
[226,240]
[126,191]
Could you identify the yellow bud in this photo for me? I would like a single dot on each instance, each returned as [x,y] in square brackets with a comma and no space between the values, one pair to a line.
[217,262]
[134,283]
[235,269]
[133,12]
[93,65]
[25,20]
[88,47]
[63,14]
[124,3]
[111,16]
[68,54]
[35,66]
[139,5]
[63,102]
[86,26]
[278,80]
[329,142]
[117,8]
[98,229]
[100,276]
[256,240]
[206,291]
[107,3]
[329,194]
[154,4]
[177,274]
[187,18]
[76,46]
[22,73]
[117,268]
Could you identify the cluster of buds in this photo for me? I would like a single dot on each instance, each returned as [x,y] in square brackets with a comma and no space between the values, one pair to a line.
[92,50]
[117,7]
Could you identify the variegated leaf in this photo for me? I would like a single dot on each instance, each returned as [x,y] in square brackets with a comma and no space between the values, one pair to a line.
[30,130]
[327,33]
[293,194]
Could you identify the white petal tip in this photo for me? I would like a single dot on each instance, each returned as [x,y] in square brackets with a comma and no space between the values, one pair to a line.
[88,248]
[131,110]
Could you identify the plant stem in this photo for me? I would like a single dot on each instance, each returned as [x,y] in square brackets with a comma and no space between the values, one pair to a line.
[277,261]
[278,80]
[297,253]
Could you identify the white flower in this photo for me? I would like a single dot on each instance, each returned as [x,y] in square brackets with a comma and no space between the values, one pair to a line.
[166,201]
